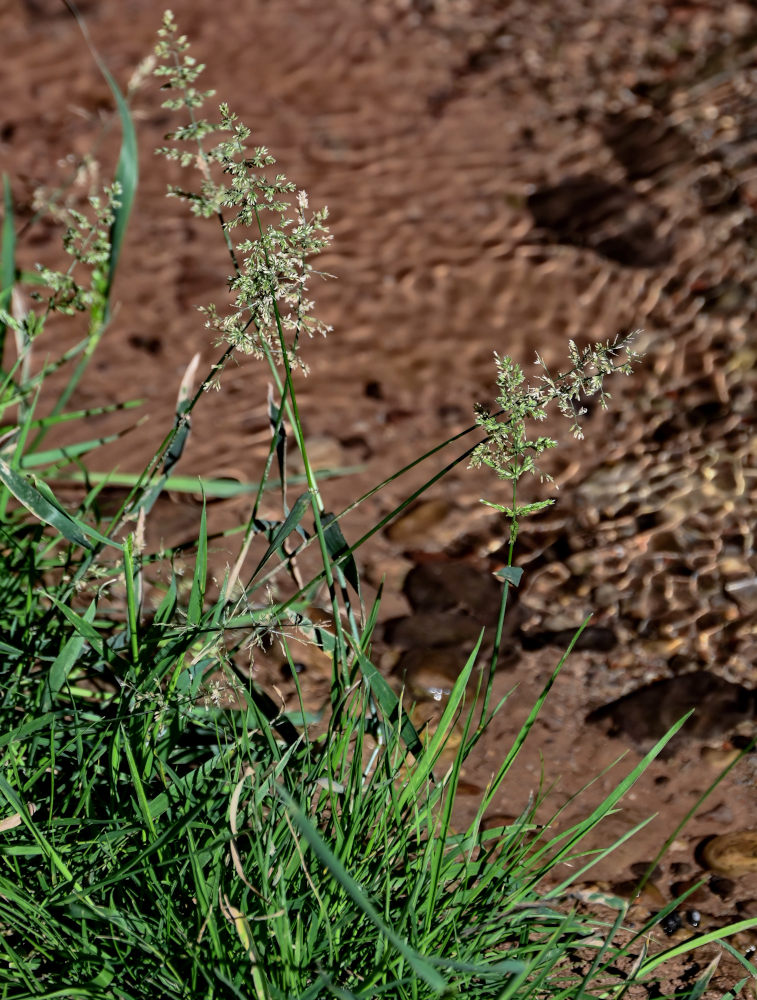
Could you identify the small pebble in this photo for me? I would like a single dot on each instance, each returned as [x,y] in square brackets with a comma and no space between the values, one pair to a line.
[732,853]
[430,674]
[671,923]
[694,917]
[718,757]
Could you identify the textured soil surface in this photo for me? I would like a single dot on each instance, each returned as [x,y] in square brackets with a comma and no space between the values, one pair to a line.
[500,176]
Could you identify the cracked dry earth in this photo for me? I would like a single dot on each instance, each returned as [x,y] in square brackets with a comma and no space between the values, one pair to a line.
[501,176]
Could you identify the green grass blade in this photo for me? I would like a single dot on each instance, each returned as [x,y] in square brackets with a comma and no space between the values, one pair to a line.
[301,506]
[197,595]
[42,508]
[529,723]
[430,754]
[581,829]
[703,980]
[213,488]
[127,169]
[389,704]
[696,942]
[67,454]
[138,786]
[131,584]
[91,411]
[336,546]
[736,989]
[417,962]
[13,650]
[90,632]
[7,258]
[65,660]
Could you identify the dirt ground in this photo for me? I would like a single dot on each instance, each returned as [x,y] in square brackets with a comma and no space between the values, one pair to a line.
[500,176]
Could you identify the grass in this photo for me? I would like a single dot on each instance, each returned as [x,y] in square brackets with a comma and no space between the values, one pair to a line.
[155,844]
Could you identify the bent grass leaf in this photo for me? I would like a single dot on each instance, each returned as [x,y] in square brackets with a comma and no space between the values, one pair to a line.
[339,550]
[65,660]
[43,509]
[301,505]
[389,704]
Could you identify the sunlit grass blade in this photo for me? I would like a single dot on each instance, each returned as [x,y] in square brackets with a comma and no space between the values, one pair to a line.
[67,454]
[527,726]
[216,489]
[719,934]
[581,829]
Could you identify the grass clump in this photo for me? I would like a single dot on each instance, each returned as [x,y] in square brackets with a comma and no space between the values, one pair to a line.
[156,844]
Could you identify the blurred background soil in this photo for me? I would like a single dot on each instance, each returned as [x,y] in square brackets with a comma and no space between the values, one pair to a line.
[500,176]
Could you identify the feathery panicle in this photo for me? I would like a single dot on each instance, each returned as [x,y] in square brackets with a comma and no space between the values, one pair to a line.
[270,309]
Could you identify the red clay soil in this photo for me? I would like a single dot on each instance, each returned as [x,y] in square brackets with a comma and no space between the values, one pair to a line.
[500,176]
